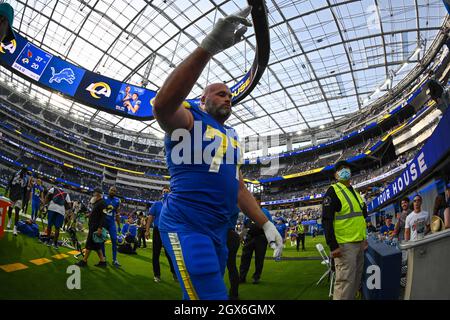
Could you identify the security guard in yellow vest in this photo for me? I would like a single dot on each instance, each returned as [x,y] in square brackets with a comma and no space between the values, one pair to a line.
[343,218]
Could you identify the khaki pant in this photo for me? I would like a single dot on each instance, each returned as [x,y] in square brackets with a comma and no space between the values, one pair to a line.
[349,269]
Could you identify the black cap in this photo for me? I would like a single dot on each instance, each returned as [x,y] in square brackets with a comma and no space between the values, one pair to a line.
[341,164]
[98,190]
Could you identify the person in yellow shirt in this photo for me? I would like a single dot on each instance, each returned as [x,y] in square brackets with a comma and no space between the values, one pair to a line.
[343,218]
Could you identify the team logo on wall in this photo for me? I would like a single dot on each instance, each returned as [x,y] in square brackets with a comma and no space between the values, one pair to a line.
[65,74]
[99,89]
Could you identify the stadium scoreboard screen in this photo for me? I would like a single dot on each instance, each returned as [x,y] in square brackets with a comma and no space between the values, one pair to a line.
[90,88]
[32,61]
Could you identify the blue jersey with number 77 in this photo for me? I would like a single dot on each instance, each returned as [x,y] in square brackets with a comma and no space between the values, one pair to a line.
[204,169]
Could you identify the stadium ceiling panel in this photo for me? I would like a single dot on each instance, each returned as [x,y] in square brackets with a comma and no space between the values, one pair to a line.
[327,56]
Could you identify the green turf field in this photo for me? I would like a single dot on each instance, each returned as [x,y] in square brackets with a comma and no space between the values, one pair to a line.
[284,280]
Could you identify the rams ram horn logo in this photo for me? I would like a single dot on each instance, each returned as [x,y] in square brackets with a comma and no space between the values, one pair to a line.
[99,88]
[10,47]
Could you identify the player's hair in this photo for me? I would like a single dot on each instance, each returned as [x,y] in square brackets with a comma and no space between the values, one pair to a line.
[405,199]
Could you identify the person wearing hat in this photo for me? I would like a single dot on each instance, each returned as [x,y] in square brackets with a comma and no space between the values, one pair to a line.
[399,230]
[343,218]
[388,228]
[6,22]
[96,235]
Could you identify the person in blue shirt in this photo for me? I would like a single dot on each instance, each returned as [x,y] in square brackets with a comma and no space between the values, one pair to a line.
[37,191]
[203,156]
[280,224]
[112,208]
[153,218]
[129,234]
[388,228]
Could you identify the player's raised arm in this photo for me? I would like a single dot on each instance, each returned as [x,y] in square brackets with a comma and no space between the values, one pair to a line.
[167,107]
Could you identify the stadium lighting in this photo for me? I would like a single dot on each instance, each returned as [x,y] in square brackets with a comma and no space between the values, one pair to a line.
[416,53]
[322,126]
[299,131]
[402,67]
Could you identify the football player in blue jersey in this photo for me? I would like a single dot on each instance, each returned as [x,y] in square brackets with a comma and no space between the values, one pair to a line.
[203,156]
[153,218]
[112,208]
[37,195]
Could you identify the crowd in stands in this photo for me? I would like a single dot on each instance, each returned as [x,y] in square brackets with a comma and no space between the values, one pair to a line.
[296,164]
[85,137]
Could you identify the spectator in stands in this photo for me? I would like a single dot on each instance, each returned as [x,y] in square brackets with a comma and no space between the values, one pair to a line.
[417,223]
[399,230]
[17,188]
[439,210]
[96,225]
[343,218]
[388,228]
[370,227]
[58,201]
[447,207]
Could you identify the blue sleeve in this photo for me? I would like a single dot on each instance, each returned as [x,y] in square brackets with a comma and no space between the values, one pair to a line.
[267,213]
[152,210]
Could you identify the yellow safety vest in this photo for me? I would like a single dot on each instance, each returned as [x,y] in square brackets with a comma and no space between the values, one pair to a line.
[349,223]
[300,228]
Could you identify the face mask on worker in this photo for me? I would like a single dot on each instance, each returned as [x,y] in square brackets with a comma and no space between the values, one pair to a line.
[344,174]
[93,200]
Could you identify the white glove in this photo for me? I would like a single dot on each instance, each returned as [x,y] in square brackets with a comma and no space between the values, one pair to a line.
[225,33]
[274,238]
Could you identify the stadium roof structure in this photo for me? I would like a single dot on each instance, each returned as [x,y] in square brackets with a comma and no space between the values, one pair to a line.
[328,58]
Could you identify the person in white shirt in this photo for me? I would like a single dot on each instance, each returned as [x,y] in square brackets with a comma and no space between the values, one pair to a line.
[58,201]
[417,223]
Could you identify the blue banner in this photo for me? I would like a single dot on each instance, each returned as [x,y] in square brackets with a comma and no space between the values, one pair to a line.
[435,149]
[90,88]
[62,76]
[305,198]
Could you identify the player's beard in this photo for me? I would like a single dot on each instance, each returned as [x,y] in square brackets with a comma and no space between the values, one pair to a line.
[217,112]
